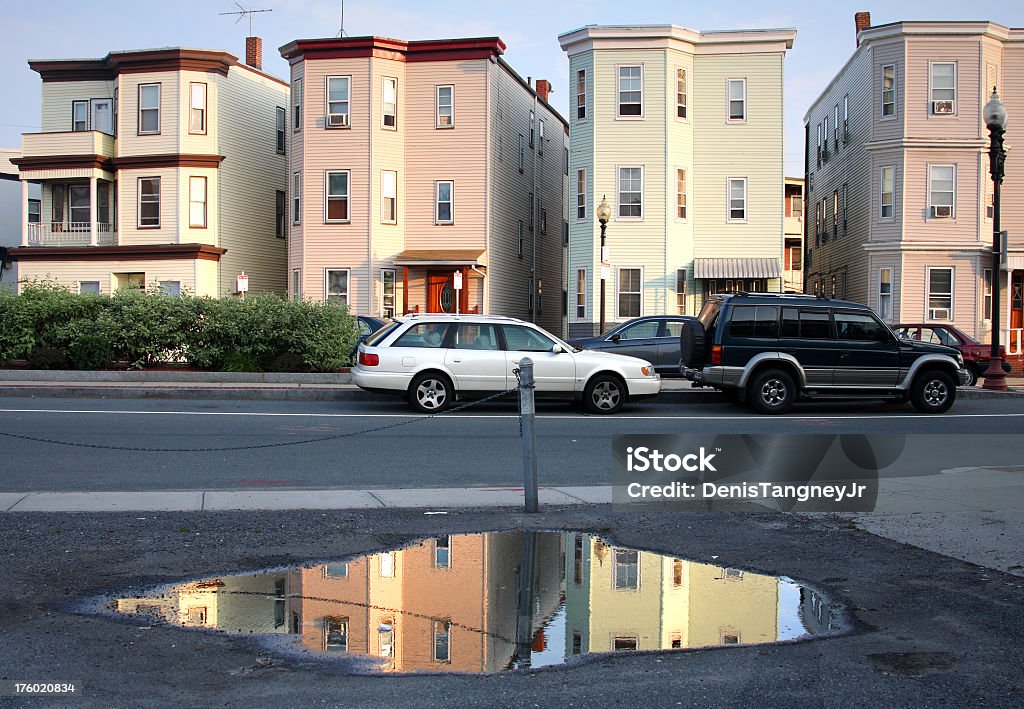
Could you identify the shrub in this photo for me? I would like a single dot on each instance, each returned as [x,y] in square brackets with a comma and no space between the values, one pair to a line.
[47,358]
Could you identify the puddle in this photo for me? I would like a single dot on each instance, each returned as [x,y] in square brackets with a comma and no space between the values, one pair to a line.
[462,603]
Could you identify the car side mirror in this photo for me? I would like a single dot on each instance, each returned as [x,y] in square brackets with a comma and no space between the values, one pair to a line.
[616,337]
[557,349]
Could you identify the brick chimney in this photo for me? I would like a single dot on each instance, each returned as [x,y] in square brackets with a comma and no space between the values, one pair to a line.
[543,88]
[863,22]
[254,52]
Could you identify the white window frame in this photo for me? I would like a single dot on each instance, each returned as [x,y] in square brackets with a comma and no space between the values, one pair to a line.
[728,201]
[619,291]
[986,294]
[327,285]
[297,197]
[581,293]
[681,96]
[682,196]
[281,129]
[169,288]
[681,304]
[581,195]
[385,292]
[345,117]
[885,297]
[139,223]
[297,104]
[881,194]
[846,119]
[81,283]
[934,211]
[540,137]
[824,142]
[929,311]
[437,201]
[729,100]
[581,96]
[618,93]
[75,105]
[618,192]
[159,99]
[384,114]
[819,146]
[384,196]
[437,106]
[296,284]
[194,202]
[835,126]
[347,196]
[193,108]
[932,89]
[883,116]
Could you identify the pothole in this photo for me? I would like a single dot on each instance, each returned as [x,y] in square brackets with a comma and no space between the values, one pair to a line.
[495,601]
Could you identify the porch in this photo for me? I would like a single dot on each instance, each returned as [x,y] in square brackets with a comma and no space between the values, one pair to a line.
[74,212]
[442,280]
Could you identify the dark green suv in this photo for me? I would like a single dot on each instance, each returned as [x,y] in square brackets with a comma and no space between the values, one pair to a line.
[770,350]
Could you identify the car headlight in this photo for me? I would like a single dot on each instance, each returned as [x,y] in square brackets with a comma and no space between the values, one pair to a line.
[647,371]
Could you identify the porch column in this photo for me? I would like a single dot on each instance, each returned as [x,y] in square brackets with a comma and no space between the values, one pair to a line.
[24,213]
[93,241]
[1011,346]
[405,290]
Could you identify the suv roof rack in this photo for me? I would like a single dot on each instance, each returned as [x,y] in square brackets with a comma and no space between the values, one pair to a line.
[809,296]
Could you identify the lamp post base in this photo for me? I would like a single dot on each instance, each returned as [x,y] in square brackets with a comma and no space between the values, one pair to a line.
[995,377]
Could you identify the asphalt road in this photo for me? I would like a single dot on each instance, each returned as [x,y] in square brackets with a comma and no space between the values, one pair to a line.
[478,447]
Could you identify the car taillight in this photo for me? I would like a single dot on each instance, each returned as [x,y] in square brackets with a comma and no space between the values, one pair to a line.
[369,360]
[716,356]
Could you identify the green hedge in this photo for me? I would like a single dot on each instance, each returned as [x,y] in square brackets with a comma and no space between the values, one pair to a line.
[51,327]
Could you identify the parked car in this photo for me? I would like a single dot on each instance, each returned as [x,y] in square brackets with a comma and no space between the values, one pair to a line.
[771,349]
[432,360]
[366,326]
[976,355]
[655,339]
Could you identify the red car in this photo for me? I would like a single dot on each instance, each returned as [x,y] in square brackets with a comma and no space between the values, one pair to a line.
[976,354]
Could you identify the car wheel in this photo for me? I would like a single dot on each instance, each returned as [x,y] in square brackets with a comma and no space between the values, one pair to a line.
[692,344]
[933,392]
[772,391]
[604,394]
[974,373]
[430,393]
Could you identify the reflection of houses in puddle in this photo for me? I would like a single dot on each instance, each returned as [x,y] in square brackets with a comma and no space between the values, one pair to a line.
[449,603]
[623,599]
[818,615]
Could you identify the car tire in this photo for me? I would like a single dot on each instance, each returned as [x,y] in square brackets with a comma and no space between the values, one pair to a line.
[692,344]
[431,393]
[974,371]
[604,394]
[772,391]
[933,392]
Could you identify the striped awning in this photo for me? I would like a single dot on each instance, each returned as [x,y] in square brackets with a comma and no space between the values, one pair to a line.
[736,268]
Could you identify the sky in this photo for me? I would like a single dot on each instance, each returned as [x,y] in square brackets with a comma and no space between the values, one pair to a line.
[530,29]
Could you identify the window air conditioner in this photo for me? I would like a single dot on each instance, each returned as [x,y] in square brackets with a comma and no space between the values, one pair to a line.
[337,120]
[942,212]
[938,314]
[942,107]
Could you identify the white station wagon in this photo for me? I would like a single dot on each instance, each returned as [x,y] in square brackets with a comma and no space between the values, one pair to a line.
[434,359]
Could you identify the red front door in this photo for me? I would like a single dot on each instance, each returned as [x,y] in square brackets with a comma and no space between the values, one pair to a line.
[1017,301]
[441,293]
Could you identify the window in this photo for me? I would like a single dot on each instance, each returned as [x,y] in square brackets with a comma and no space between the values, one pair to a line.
[626,571]
[581,95]
[835,125]
[943,88]
[680,93]
[336,280]
[835,213]
[297,198]
[543,220]
[197,107]
[149,203]
[986,294]
[793,258]
[88,286]
[680,194]
[280,120]
[529,201]
[445,107]
[824,216]
[530,291]
[577,642]
[387,292]
[78,205]
[630,297]
[442,640]
[681,291]
[812,324]
[336,570]
[859,327]
[533,124]
[34,211]
[940,293]
[737,199]
[428,335]
[577,559]
[443,545]
[389,102]
[280,214]
[149,109]
[389,197]
[888,190]
[521,238]
[519,338]
[755,321]
[643,330]
[846,119]
[444,202]
[888,90]
[624,643]
[522,153]
[581,195]
[846,207]
[336,634]
[819,146]
[197,202]
[170,288]
[991,81]
[737,99]
[296,284]
[824,142]
[79,115]
[338,101]
[885,293]
[631,93]
[941,191]
[990,209]
[581,293]
[631,192]
[336,207]
[297,105]
[540,147]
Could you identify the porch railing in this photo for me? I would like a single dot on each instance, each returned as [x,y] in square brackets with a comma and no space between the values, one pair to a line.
[70,234]
[1014,340]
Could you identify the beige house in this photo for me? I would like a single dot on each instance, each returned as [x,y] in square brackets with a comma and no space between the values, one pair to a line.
[423,176]
[899,194]
[160,167]
[681,131]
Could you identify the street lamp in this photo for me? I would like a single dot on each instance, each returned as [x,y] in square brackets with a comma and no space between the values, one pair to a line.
[604,213]
[995,118]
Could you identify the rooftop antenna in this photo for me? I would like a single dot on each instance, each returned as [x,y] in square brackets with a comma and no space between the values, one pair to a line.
[243,12]
[341,30]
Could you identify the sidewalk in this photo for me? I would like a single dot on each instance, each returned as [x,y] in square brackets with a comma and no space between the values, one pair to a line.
[268,386]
